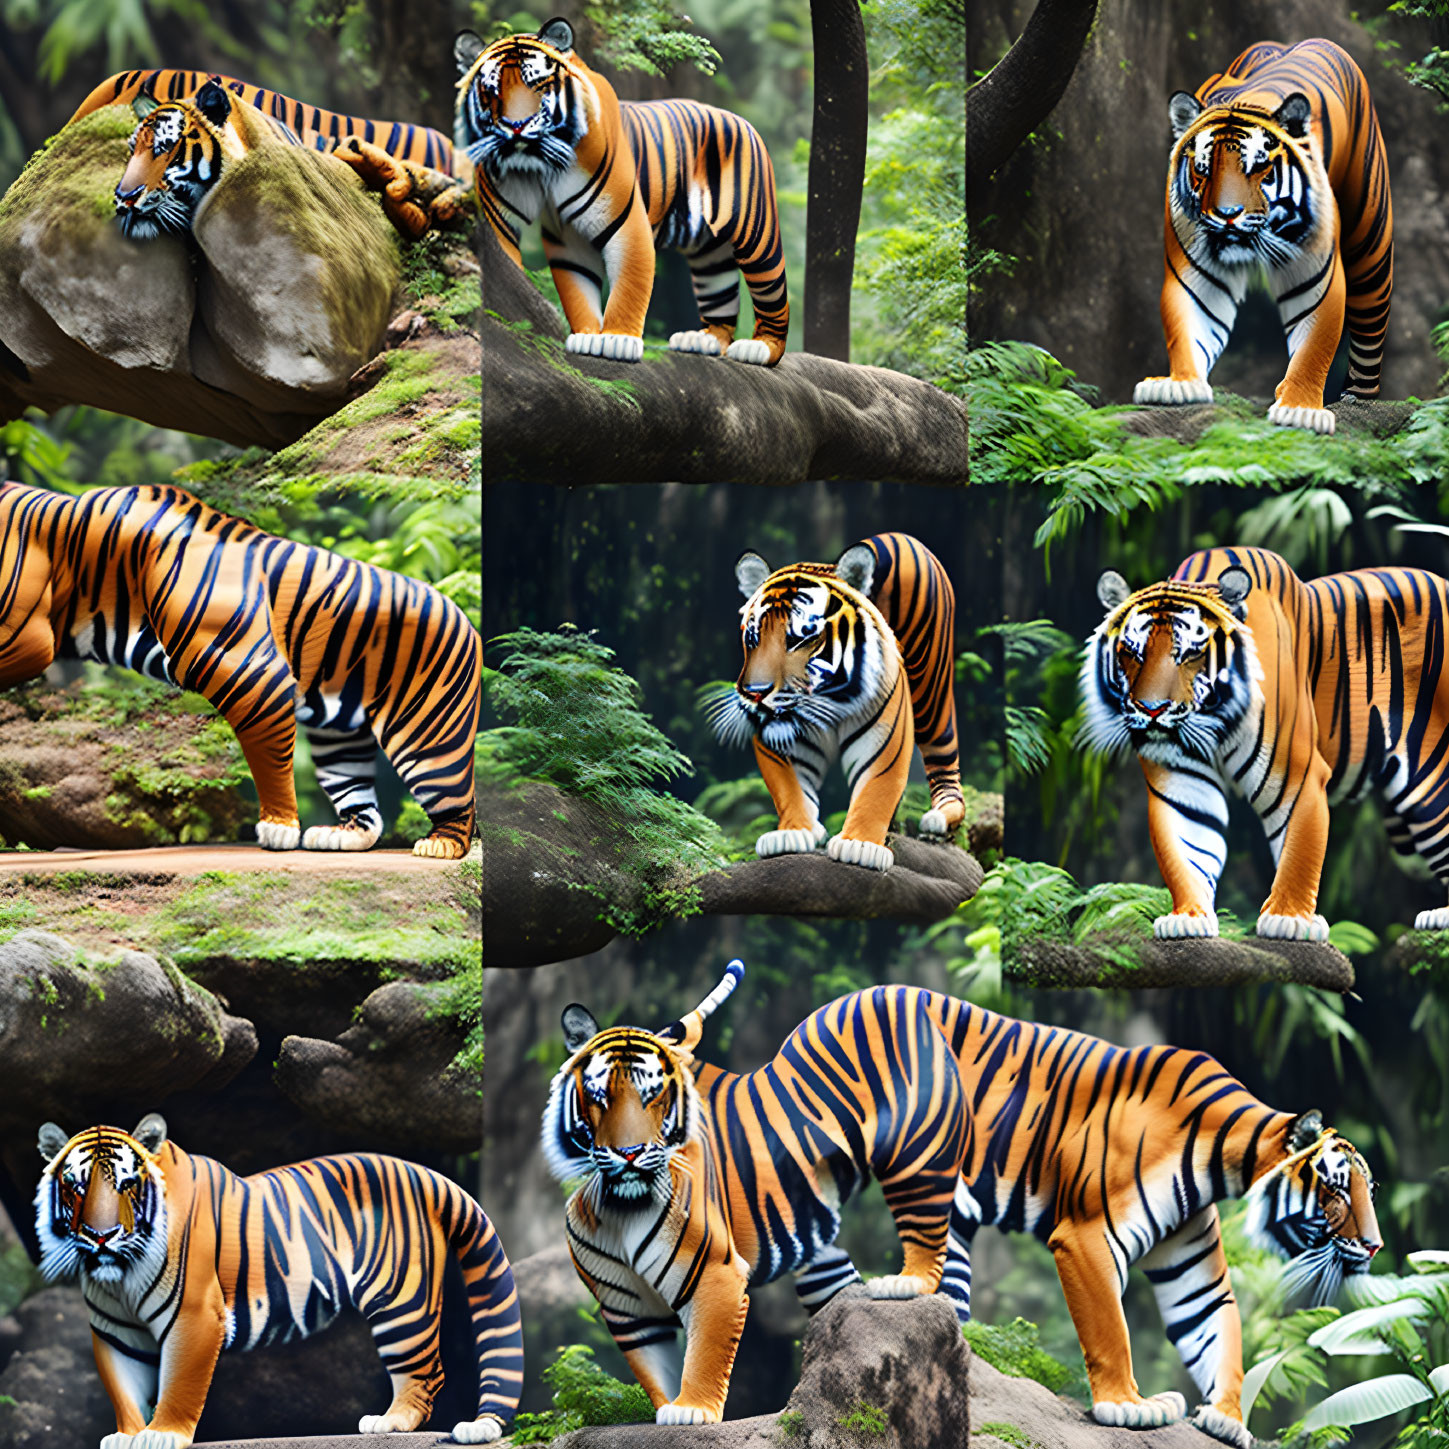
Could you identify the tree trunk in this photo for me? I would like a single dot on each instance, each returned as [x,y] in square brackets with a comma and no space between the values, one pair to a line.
[837,173]
[1022,88]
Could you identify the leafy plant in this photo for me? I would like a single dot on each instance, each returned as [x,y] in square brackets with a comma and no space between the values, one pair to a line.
[583,1394]
[1015,1349]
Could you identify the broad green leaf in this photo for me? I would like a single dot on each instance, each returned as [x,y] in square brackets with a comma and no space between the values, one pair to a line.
[1256,1377]
[1363,1403]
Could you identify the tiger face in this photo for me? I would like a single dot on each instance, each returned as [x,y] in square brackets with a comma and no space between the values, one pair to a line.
[176,154]
[524,107]
[100,1208]
[619,1110]
[1171,667]
[1242,178]
[1316,1208]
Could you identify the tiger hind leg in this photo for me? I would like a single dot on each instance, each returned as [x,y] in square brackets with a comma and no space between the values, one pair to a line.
[345,762]
[823,1277]
[717,292]
[407,1338]
[956,1275]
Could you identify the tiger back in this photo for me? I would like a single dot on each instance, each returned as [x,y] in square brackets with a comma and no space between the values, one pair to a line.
[614,180]
[179,1259]
[1278,167]
[855,658]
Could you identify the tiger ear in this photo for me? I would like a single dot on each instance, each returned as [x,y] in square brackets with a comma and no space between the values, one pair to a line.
[150,1132]
[142,106]
[1182,110]
[1234,585]
[750,572]
[1305,1130]
[467,47]
[1112,590]
[213,103]
[52,1141]
[1294,114]
[857,568]
[579,1027]
[559,34]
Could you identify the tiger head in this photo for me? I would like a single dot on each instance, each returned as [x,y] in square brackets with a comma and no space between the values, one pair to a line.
[1171,668]
[100,1209]
[176,155]
[625,1103]
[526,101]
[1316,1208]
[1231,168]
[814,648]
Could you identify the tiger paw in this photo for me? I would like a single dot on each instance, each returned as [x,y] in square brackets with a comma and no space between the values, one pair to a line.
[278,835]
[704,343]
[616,346]
[118,1441]
[860,852]
[1174,391]
[789,842]
[1218,1425]
[934,825]
[478,1431]
[896,1285]
[1292,928]
[1150,1413]
[684,1414]
[392,1422]
[1315,420]
[1183,925]
[440,847]
[1435,920]
[753,351]
[360,834]
[154,1439]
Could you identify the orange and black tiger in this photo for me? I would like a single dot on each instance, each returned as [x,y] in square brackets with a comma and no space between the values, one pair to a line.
[614,180]
[1278,169]
[1237,675]
[855,658]
[696,1184]
[274,634]
[179,1259]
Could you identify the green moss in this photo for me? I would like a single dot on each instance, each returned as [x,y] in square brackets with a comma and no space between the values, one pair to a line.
[1008,1434]
[792,1423]
[1015,1349]
[72,177]
[865,1419]
[583,1394]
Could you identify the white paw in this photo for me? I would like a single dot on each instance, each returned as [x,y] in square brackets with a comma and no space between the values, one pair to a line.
[1173,390]
[683,1414]
[1316,420]
[896,1285]
[1217,1424]
[118,1441]
[155,1439]
[1435,920]
[478,1431]
[1151,1413]
[340,837]
[705,343]
[271,836]
[789,842]
[748,350]
[1293,928]
[1177,927]
[616,346]
[860,852]
[933,825]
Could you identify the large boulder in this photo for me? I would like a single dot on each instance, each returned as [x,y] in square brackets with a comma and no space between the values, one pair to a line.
[249,332]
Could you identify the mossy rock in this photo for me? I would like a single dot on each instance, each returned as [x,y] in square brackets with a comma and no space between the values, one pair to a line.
[249,332]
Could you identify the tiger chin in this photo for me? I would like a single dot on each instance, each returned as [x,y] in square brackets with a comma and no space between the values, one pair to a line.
[1277,171]
[851,659]
[612,182]
[1235,674]
[179,1260]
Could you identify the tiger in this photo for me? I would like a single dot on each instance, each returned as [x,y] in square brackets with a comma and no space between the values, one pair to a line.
[696,1184]
[614,180]
[180,146]
[1278,169]
[1297,695]
[274,634]
[856,658]
[180,1259]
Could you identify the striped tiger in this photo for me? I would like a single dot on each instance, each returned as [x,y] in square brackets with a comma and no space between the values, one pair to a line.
[614,180]
[855,658]
[180,1259]
[180,146]
[696,1184]
[274,634]
[1278,169]
[1236,674]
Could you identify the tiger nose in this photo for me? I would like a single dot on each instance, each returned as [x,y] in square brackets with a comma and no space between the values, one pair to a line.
[1372,1244]
[756,692]
[1153,707]
[630,1153]
[1229,213]
[125,198]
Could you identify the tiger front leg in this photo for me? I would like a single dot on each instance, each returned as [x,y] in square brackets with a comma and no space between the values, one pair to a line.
[717,294]
[391,178]
[616,333]
[1291,911]
[879,764]
[651,1348]
[1196,324]
[800,830]
[713,1321]
[129,1380]
[1313,324]
[1187,818]
[188,1360]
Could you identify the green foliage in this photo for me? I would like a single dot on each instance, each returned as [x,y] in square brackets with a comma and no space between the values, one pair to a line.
[578,725]
[1431,71]
[648,35]
[18,1276]
[1008,1434]
[865,1419]
[792,1423]
[1015,1349]
[583,1394]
